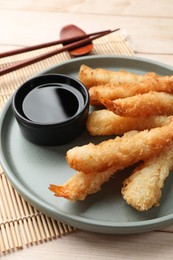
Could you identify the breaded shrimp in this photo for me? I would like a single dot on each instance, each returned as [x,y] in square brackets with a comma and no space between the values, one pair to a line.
[124,151]
[104,122]
[151,103]
[93,77]
[122,90]
[82,184]
[143,189]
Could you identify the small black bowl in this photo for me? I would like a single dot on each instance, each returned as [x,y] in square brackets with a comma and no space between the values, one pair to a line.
[51,109]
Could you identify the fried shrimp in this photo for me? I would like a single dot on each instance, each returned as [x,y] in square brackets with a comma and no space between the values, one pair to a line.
[122,90]
[139,112]
[93,77]
[104,122]
[123,151]
[82,184]
[143,189]
[151,103]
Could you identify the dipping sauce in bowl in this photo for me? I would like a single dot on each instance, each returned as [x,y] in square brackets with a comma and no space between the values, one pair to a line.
[52,103]
[51,109]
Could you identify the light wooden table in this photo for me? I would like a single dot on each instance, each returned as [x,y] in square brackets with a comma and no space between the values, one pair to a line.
[148,25]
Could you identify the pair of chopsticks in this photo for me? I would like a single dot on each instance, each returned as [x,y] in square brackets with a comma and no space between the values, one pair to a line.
[72,43]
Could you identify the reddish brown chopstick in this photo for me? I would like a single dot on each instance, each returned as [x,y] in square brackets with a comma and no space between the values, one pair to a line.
[48,44]
[68,47]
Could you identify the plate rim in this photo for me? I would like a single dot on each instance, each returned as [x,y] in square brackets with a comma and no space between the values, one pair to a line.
[74,220]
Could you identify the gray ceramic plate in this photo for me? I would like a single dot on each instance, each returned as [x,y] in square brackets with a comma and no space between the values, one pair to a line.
[32,168]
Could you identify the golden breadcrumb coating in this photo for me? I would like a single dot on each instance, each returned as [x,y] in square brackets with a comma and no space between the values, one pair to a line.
[143,189]
[82,184]
[124,151]
[104,122]
[93,77]
[122,90]
[151,103]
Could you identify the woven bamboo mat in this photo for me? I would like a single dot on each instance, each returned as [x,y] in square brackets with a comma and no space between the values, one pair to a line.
[21,224]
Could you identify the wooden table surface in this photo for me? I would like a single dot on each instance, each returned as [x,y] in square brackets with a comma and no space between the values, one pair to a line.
[149,27]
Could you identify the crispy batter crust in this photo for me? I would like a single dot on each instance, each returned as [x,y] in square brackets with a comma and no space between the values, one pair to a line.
[122,90]
[151,103]
[82,184]
[143,189]
[104,122]
[123,151]
[93,77]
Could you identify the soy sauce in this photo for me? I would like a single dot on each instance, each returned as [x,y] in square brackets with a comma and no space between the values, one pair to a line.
[52,103]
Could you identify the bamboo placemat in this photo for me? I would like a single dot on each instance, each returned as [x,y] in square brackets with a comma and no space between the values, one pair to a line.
[20,223]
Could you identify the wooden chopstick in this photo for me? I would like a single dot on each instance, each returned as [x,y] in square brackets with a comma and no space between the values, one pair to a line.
[48,44]
[68,47]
